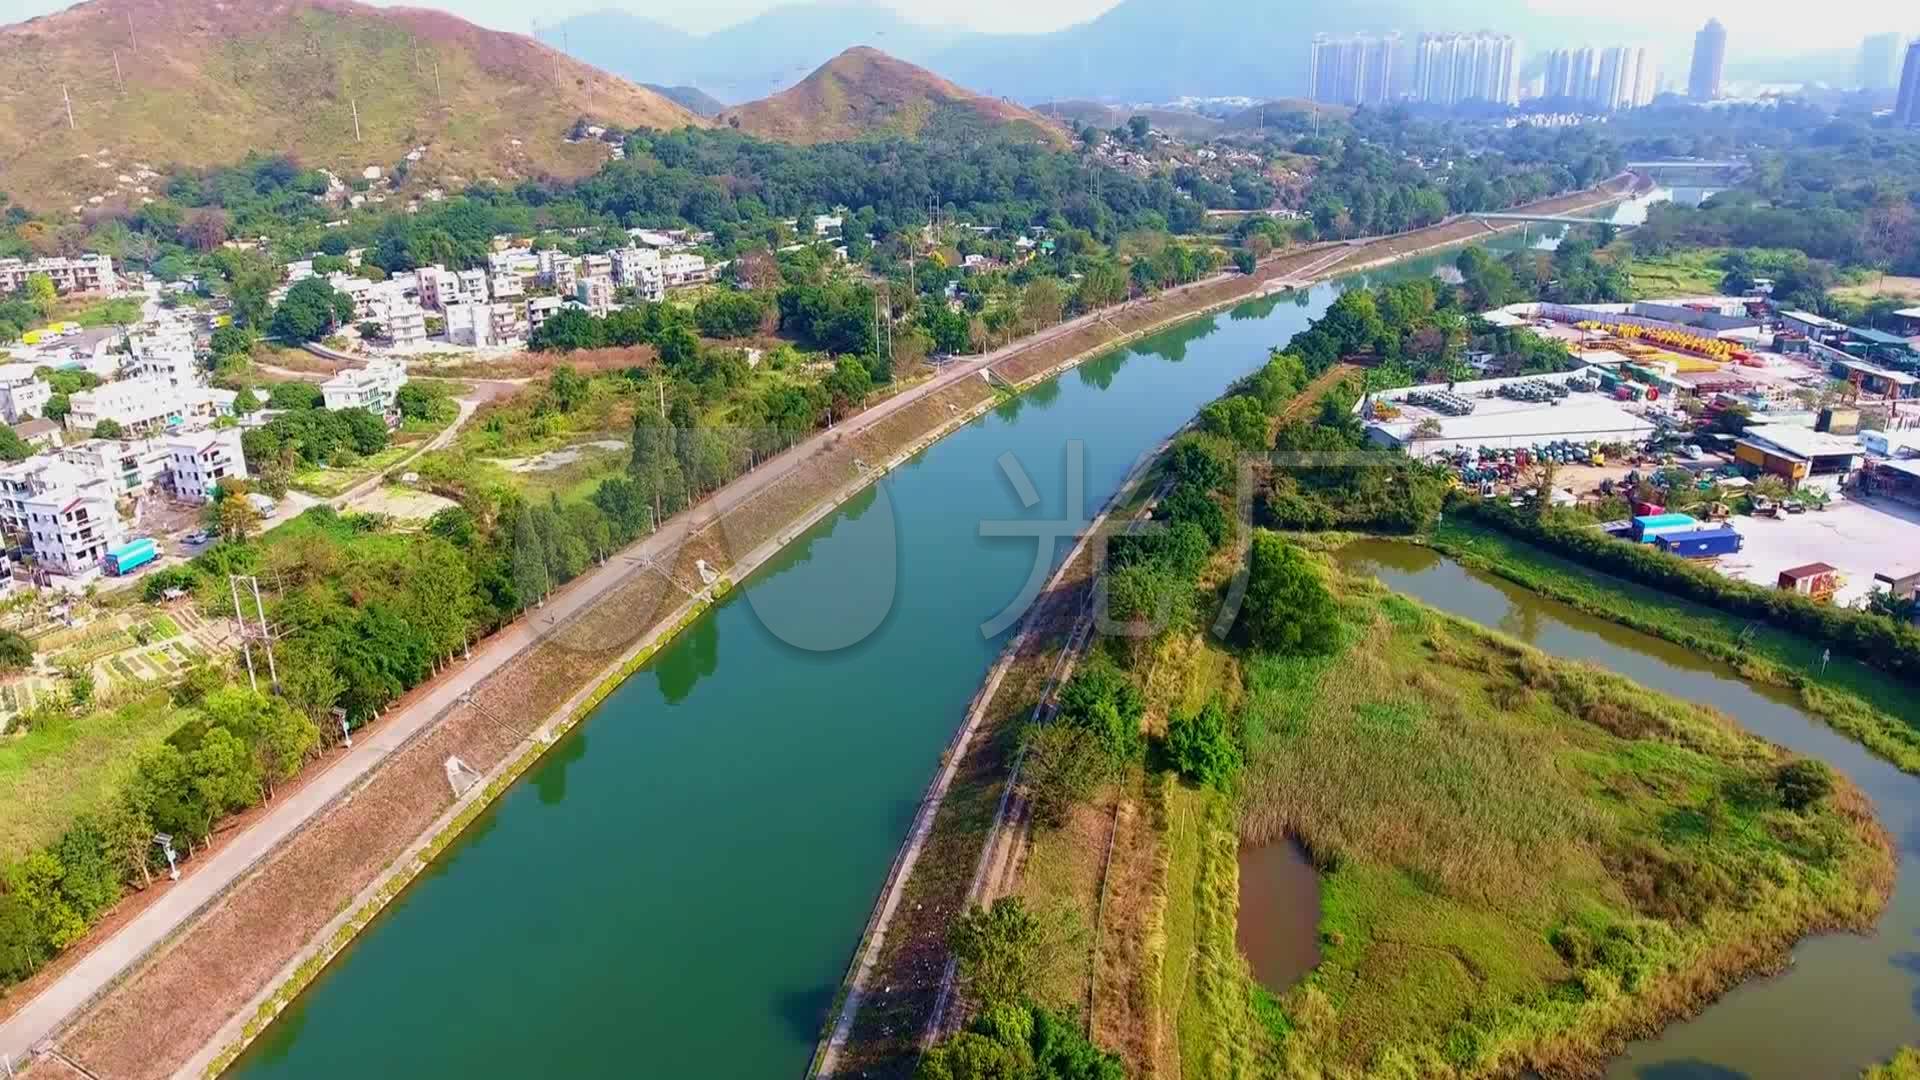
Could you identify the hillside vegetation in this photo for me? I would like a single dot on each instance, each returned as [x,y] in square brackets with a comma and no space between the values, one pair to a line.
[202,83]
[864,92]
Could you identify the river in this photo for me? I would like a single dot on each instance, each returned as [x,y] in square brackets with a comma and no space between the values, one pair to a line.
[676,889]
[1848,1000]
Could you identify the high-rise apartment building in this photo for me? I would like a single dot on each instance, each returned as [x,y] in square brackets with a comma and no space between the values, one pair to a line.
[1709,62]
[1906,109]
[1880,61]
[1352,70]
[1622,77]
[1452,68]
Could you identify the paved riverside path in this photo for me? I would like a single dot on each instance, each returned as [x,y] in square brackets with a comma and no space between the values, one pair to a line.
[211,874]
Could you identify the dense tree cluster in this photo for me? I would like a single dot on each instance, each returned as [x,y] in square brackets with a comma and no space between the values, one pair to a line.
[228,756]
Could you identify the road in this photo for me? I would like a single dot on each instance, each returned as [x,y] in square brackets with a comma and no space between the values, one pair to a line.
[211,874]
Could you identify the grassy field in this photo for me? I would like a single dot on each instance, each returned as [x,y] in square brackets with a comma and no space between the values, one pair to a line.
[1477,923]
[1853,698]
[63,767]
[1904,288]
[1690,271]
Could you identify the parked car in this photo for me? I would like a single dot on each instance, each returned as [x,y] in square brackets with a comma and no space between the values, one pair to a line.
[196,538]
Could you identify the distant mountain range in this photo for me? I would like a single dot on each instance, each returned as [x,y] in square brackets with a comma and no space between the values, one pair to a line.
[1140,50]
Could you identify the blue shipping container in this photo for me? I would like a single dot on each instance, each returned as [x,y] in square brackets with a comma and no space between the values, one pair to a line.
[1700,543]
[1647,527]
[131,556]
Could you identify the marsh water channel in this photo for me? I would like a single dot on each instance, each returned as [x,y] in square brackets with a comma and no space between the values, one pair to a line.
[1847,1000]
[675,890]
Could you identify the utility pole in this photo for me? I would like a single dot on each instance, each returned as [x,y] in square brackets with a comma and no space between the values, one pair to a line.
[437,93]
[131,39]
[355,102]
[117,77]
[68,98]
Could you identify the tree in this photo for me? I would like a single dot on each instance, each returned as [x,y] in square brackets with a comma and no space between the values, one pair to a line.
[16,651]
[567,330]
[1238,419]
[530,578]
[311,310]
[1063,767]
[12,446]
[947,328]
[996,951]
[1287,608]
[655,466]
[1245,261]
[1103,701]
[230,515]
[848,385]
[204,229]
[109,429]
[731,314]
[1203,747]
[229,342]
[1138,126]
[41,293]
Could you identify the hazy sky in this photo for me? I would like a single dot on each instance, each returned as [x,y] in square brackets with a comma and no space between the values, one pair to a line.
[1772,25]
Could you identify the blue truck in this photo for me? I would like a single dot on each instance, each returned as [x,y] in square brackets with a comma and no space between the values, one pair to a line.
[131,556]
[1705,543]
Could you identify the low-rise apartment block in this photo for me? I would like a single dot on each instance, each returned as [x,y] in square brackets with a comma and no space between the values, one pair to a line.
[198,463]
[375,387]
[540,309]
[596,295]
[141,406]
[23,393]
[70,529]
[682,268]
[88,273]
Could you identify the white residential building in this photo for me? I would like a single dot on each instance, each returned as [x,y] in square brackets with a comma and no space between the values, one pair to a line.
[473,286]
[592,266]
[199,463]
[438,287]
[165,354]
[88,273]
[470,324]
[540,309]
[596,295]
[518,261]
[129,467]
[681,268]
[555,268]
[374,387]
[202,405]
[406,323]
[23,393]
[507,285]
[71,528]
[140,406]
[640,269]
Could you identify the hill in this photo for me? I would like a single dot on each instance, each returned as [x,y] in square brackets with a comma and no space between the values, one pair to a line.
[1184,123]
[203,82]
[691,98]
[751,59]
[863,91]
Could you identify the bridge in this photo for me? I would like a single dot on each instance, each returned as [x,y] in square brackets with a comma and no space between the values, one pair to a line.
[1684,163]
[1550,219]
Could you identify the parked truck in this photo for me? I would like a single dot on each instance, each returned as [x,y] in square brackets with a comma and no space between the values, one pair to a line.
[131,556]
[1708,543]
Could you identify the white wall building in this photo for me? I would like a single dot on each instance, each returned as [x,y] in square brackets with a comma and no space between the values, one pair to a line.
[540,309]
[200,462]
[129,467]
[596,295]
[374,387]
[71,528]
[165,354]
[23,393]
[406,323]
[681,268]
[641,269]
[88,273]
[140,406]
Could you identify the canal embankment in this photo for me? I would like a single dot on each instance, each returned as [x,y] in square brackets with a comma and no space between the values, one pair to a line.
[157,1014]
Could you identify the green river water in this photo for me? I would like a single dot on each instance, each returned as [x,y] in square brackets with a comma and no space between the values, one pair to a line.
[676,889]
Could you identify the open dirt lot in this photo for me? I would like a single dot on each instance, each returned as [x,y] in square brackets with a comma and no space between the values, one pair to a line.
[1860,538]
